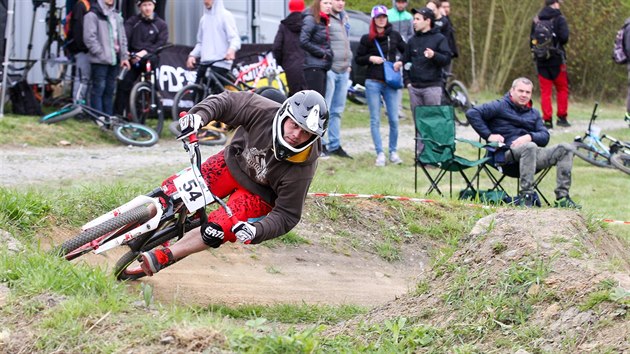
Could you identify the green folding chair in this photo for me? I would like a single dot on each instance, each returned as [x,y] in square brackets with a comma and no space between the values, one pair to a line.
[436,147]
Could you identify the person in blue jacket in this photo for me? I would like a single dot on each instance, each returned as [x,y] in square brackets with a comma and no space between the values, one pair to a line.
[512,122]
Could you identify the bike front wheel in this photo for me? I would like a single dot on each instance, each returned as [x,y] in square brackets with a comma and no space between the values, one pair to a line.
[136,134]
[80,244]
[591,155]
[145,108]
[621,160]
[460,100]
[186,98]
[54,61]
[64,113]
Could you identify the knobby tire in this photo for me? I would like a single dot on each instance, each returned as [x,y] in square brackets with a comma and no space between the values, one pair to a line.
[621,161]
[140,107]
[460,100]
[190,93]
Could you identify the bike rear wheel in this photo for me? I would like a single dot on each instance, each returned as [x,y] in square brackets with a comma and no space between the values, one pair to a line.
[144,108]
[206,135]
[54,61]
[621,161]
[78,245]
[459,100]
[64,113]
[589,154]
[136,134]
[186,98]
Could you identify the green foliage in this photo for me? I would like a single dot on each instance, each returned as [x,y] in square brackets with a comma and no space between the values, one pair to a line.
[287,313]
[25,210]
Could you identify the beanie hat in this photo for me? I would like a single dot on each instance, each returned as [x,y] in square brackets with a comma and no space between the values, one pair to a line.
[379,10]
[296,5]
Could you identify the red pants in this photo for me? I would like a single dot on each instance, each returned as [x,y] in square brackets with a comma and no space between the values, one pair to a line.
[244,204]
[561,82]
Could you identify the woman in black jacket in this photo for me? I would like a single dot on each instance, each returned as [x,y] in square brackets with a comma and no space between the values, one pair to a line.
[392,45]
[286,47]
[315,41]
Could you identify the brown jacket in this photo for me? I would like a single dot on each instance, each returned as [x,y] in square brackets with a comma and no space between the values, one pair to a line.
[251,161]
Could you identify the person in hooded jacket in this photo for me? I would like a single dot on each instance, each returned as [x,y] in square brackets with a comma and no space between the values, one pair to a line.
[146,32]
[391,43]
[78,49]
[315,40]
[104,36]
[286,47]
[217,39]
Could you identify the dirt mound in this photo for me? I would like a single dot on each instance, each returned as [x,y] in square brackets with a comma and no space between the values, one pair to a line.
[536,278]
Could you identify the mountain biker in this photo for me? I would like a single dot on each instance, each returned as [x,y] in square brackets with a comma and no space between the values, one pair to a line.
[265,171]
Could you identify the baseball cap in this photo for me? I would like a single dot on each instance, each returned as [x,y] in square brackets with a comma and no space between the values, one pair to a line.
[379,10]
[426,12]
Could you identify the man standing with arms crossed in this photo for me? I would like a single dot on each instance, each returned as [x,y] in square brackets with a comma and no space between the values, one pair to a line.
[337,77]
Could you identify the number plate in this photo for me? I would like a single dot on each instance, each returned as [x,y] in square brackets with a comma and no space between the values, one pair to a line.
[193,190]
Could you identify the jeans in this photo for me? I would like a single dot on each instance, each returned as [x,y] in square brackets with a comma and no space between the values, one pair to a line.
[81,76]
[373,91]
[103,87]
[336,90]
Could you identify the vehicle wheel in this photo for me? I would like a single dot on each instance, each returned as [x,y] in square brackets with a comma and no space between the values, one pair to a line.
[54,61]
[272,93]
[358,99]
[72,248]
[62,114]
[590,155]
[460,100]
[186,98]
[141,109]
[621,161]
[136,134]
[206,136]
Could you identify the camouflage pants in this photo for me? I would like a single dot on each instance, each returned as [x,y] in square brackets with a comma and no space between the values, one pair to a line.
[532,158]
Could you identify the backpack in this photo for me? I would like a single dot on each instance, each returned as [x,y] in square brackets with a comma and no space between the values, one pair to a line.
[619,52]
[67,22]
[543,39]
[23,100]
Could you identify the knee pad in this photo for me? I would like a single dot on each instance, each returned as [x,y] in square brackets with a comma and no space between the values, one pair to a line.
[212,234]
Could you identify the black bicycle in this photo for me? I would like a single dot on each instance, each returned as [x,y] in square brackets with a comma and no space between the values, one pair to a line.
[455,94]
[145,100]
[54,59]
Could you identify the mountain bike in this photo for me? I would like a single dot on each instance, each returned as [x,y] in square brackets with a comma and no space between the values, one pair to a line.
[591,147]
[148,221]
[126,132]
[54,60]
[145,100]
[454,93]
[259,75]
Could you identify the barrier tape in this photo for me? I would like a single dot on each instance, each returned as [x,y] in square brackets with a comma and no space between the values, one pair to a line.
[421,200]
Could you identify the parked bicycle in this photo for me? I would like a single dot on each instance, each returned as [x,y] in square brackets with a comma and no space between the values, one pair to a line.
[54,61]
[145,100]
[148,221]
[454,93]
[126,132]
[591,147]
[259,75]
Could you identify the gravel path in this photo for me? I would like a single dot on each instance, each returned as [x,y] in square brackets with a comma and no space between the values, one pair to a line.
[32,165]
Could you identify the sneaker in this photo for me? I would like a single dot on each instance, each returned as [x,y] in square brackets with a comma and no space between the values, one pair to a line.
[527,200]
[548,124]
[380,160]
[324,153]
[566,202]
[563,122]
[153,261]
[339,152]
[394,158]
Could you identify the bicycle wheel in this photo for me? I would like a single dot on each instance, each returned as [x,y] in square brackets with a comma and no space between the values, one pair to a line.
[54,61]
[621,160]
[64,113]
[591,155]
[186,98]
[142,110]
[208,136]
[272,93]
[136,134]
[460,100]
[72,248]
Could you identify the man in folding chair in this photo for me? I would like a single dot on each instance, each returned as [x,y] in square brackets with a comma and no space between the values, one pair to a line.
[513,122]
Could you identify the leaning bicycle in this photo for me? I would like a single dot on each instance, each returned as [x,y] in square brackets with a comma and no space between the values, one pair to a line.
[148,221]
[454,93]
[54,61]
[126,132]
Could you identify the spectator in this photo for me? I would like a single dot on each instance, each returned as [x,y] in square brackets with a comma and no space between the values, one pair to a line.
[337,77]
[626,46]
[217,38]
[368,54]
[402,22]
[513,122]
[286,47]
[553,71]
[79,50]
[425,58]
[445,8]
[315,41]
[104,36]
[146,32]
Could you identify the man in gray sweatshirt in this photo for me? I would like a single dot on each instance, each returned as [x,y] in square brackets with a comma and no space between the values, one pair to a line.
[337,77]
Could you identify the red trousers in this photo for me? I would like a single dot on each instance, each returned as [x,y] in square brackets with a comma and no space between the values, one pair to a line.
[244,204]
[561,82]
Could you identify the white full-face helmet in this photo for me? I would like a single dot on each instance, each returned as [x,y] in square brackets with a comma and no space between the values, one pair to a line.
[308,109]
